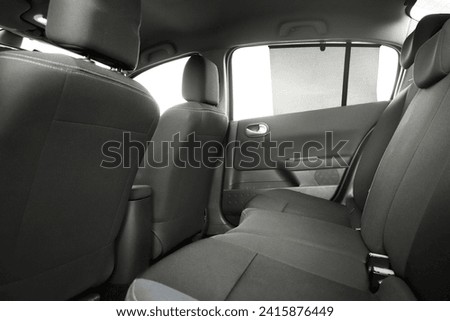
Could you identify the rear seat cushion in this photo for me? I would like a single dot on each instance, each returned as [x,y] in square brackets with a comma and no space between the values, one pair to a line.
[216,269]
[287,201]
[146,290]
[304,230]
[293,202]
[309,257]
[240,267]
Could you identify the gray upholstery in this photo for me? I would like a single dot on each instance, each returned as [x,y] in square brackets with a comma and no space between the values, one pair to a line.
[407,55]
[372,151]
[105,30]
[304,230]
[427,74]
[61,211]
[425,29]
[201,81]
[181,193]
[225,268]
[398,213]
[241,266]
[146,290]
[288,201]
[276,256]
[376,144]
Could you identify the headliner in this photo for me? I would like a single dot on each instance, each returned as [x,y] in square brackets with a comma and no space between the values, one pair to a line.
[176,27]
[201,25]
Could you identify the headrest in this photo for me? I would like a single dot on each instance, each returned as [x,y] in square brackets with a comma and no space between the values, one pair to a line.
[104,30]
[201,81]
[406,56]
[425,29]
[433,59]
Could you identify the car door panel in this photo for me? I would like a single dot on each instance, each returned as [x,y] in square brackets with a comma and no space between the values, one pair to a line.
[317,171]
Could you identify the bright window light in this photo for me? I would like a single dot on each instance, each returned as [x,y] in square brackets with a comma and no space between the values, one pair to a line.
[31,45]
[424,8]
[40,19]
[387,72]
[164,83]
[252,83]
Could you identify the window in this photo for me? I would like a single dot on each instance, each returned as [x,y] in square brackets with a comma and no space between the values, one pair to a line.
[30,45]
[424,8]
[164,82]
[36,45]
[287,79]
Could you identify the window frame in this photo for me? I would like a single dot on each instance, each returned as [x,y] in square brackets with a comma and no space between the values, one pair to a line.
[147,68]
[347,44]
[139,71]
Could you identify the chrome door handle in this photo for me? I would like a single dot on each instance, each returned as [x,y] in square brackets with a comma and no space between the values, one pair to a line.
[257,130]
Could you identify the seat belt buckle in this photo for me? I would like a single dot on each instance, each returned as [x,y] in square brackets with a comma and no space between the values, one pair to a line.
[378,267]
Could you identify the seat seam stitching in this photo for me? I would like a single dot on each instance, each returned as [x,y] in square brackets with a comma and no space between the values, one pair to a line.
[294,267]
[241,276]
[101,126]
[39,161]
[411,160]
[41,61]
[84,73]
[303,216]
[301,242]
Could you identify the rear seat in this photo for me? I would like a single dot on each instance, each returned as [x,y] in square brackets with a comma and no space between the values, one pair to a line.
[291,257]
[287,201]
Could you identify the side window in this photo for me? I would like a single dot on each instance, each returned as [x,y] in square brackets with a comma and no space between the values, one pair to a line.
[164,82]
[287,79]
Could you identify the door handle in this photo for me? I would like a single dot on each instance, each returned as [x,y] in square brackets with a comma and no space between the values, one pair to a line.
[257,130]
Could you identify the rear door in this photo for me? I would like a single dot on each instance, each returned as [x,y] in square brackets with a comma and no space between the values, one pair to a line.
[299,115]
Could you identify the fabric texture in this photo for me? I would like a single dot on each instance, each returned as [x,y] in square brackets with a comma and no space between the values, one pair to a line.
[287,201]
[61,211]
[181,189]
[105,30]
[429,71]
[201,81]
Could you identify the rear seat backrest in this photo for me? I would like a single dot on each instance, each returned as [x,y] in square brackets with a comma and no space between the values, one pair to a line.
[387,124]
[406,215]
[373,219]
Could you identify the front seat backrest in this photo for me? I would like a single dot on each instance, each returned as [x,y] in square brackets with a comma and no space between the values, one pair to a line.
[181,193]
[60,210]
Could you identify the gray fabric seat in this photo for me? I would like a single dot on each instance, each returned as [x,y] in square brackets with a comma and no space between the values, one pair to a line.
[405,218]
[181,191]
[61,211]
[305,230]
[296,203]
[291,202]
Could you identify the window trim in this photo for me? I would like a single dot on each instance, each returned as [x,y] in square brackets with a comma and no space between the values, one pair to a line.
[139,71]
[347,44]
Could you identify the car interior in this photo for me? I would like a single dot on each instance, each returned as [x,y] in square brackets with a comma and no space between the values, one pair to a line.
[156,150]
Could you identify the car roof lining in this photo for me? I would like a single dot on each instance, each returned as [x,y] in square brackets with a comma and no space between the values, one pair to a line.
[172,28]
